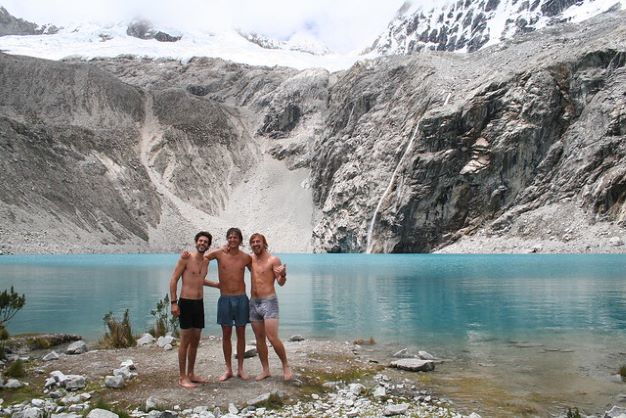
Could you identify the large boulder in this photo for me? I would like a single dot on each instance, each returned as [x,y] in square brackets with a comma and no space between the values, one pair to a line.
[414,365]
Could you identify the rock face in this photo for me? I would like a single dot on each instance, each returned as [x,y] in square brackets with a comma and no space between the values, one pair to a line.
[468,25]
[10,25]
[403,153]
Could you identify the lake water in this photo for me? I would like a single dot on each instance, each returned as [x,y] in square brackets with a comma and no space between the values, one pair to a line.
[553,320]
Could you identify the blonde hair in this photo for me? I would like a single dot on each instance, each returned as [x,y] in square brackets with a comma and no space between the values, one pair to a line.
[257,235]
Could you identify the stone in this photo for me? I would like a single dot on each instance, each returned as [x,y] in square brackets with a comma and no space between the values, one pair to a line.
[168,347]
[401,353]
[414,365]
[232,409]
[129,363]
[13,384]
[296,338]
[379,392]
[615,412]
[31,412]
[65,415]
[77,347]
[425,355]
[395,409]
[166,340]
[74,382]
[124,372]
[114,382]
[151,403]
[101,413]
[356,388]
[616,242]
[145,339]
[53,355]
[473,415]
[250,351]
[264,397]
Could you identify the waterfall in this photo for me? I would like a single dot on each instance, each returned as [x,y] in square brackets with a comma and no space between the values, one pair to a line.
[370,229]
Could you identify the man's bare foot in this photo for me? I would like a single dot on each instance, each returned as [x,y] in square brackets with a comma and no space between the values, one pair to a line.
[263,375]
[287,373]
[198,379]
[242,375]
[186,383]
[226,376]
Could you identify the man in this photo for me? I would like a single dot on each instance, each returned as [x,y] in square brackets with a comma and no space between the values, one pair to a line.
[266,269]
[190,307]
[233,304]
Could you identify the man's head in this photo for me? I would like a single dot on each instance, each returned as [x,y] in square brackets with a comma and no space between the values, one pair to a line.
[203,241]
[258,243]
[234,237]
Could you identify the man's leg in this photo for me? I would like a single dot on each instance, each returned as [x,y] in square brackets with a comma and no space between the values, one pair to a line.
[183,349]
[241,349]
[227,348]
[261,347]
[271,329]
[191,356]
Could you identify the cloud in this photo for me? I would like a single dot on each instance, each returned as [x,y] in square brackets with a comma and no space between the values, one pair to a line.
[343,25]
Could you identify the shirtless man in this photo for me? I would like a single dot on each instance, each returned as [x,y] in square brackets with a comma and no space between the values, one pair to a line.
[190,308]
[233,304]
[266,269]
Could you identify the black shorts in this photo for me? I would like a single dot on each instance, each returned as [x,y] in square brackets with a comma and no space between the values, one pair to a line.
[191,313]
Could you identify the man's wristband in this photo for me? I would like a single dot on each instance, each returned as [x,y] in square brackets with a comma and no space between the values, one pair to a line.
[174,301]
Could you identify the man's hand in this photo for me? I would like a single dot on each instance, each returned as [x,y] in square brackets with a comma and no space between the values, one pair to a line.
[175,309]
[280,272]
[226,249]
[185,255]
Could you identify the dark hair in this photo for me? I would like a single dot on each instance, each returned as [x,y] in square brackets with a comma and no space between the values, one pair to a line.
[236,231]
[203,234]
[257,235]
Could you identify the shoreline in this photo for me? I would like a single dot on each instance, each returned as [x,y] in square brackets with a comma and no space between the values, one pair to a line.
[460,386]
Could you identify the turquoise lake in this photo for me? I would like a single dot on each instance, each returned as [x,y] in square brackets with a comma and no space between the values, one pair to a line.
[548,330]
[404,299]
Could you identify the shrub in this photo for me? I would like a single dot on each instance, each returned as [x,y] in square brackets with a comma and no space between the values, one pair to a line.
[10,303]
[120,334]
[15,369]
[361,341]
[164,322]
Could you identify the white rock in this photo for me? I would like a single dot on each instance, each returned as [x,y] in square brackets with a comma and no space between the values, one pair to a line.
[402,353]
[13,384]
[114,382]
[615,412]
[65,415]
[151,403]
[474,415]
[124,372]
[264,397]
[129,363]
[395,409]
[145,340]
[379,392]
[29,413]
[163,341]
[414,365]
[232,409]
[616,242]
[356,388]
[425,355]
[51,356]
[77,347]
[101,413]
[74,382]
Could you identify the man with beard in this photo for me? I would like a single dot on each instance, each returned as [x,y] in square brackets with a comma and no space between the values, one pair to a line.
[266,269]
[190,307]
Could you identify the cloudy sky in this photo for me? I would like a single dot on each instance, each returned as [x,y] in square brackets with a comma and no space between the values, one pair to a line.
[342,25]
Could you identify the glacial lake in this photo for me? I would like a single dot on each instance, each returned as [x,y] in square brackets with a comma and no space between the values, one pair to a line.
[552,324]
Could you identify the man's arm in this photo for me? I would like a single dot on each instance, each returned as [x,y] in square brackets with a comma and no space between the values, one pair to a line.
[280,271]
[178,272]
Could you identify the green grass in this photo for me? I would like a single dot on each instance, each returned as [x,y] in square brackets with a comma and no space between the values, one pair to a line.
[15,369]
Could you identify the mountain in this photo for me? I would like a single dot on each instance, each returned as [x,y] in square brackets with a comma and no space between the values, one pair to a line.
[517,147]
[143,38]
[469,25]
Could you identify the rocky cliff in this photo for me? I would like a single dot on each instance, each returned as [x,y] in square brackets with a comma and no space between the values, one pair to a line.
[521,141]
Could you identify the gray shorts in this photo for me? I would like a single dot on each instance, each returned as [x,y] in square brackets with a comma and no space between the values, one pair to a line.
[233,310]
[264,308]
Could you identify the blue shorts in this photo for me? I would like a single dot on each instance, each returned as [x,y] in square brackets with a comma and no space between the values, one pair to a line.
[233,310]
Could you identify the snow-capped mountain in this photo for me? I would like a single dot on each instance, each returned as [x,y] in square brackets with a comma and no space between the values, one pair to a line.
[144,39]
[468,25]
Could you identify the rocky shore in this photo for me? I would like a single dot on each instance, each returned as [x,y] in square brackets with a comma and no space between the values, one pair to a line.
[333,379]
